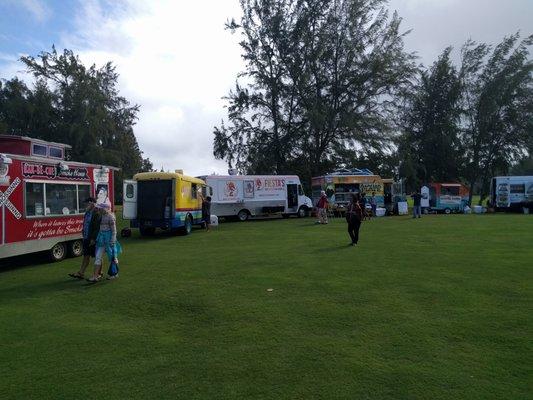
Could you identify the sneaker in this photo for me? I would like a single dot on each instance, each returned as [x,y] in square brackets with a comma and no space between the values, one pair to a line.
[109,278]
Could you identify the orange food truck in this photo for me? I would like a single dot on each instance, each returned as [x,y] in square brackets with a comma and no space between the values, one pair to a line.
[444,197]
[42,197]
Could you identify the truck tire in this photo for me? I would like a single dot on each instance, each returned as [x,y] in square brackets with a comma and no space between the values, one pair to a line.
[125,233]
[447,211]
[58,252]
[243,215]
[75,248]
[302,212]
[146,231]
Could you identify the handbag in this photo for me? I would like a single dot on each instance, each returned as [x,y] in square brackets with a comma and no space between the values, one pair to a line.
[113,266]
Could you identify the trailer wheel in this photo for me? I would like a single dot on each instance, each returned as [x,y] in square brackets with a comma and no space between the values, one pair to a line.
[426,211]
[58,252]
[447,211]
[75,248]
[302,212]
[243,215]
[125,232]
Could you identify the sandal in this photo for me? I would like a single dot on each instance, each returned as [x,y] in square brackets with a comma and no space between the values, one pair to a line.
[76,275]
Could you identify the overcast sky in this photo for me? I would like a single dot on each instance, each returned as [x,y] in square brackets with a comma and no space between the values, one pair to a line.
[176,60]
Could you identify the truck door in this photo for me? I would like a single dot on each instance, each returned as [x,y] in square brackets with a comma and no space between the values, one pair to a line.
[503,195]
[129,201]
[292,196]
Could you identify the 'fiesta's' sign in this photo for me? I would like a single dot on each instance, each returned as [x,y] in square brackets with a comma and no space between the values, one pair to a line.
[31,170]
[270,184]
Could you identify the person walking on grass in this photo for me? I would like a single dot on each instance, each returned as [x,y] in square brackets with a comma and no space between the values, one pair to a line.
[106,242]
[206,211]
[90,229]
[354,217]
[322,208]
[417,209]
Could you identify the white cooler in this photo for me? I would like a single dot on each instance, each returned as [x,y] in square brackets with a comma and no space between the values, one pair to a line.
[380,212]
[214,220]
[478,209]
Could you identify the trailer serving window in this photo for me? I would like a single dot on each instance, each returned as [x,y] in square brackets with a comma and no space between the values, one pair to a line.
[450,190]
[347,188]
[84,191]
[518,188]
[34,199]
[55,199]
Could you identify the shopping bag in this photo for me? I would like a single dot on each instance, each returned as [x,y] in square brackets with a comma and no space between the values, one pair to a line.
[113,266]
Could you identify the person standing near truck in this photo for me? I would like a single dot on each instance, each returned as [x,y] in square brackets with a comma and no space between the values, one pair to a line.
[417,209]
[373,204]
[90,229]
[322,207]
[206,211]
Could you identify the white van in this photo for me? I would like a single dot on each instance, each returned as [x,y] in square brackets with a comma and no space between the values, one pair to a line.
[508,192]
[245,196]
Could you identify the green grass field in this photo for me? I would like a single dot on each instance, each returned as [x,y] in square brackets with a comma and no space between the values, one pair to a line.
[436,308]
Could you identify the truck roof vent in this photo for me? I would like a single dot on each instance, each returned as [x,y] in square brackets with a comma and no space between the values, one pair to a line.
[233,171]
[179,171]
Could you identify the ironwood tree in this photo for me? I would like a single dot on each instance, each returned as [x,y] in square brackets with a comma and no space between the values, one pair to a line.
[497,108]
[430,147]
[321,77]
[73,104]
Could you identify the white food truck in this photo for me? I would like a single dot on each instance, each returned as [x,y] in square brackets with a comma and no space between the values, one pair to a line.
[245,196]
[508,192]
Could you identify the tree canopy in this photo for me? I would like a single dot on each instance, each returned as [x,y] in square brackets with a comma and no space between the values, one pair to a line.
[321,78]
[73,104]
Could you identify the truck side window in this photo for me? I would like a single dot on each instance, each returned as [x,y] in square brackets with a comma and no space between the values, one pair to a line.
[129,191]
[300,190]
[194,190]
[39,150]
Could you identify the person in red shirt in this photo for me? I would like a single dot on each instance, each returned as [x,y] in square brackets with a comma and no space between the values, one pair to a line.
[322,207]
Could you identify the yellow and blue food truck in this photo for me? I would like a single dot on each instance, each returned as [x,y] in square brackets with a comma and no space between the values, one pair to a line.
[165,200]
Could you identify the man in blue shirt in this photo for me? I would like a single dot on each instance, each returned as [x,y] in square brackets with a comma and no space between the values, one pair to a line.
[90,229]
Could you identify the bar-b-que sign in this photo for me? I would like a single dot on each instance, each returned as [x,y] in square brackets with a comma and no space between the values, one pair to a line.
[31,170]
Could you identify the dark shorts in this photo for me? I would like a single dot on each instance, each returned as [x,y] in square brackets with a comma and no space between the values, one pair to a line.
[88,249]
